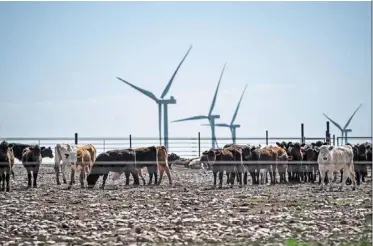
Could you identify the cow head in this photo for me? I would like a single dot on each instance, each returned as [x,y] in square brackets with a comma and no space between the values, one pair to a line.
[46,152]
[324,153]
[246,152]
[211,156]
[92,178]
[362,152]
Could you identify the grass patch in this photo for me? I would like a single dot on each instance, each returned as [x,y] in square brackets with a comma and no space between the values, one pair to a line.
[363,242]
[341,201]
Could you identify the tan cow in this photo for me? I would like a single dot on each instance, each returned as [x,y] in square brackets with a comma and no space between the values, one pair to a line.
[86,157]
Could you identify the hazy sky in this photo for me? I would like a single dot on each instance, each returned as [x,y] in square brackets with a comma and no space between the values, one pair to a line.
[59,63]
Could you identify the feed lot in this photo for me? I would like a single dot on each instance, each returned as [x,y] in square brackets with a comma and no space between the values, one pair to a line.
[190,211]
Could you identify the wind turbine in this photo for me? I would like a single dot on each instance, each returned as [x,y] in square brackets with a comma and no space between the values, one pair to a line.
[232,126]
[344,130]
[210,117]
[161,102]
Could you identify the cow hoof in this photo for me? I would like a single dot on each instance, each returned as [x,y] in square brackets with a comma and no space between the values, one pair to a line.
[58,183]
[102,187]
[73,181]
[7,189]
[2,188]
[82,186]
[69,187]
[35,186]
[354,188]
[64,181]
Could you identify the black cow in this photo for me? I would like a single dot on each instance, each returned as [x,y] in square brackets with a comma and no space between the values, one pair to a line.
[119,160]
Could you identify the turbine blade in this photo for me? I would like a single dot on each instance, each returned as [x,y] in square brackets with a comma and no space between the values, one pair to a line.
[216,92]
[238,106]
[352,116]
[335,123]
[145,92]
[173,76]
[219,125]
[198,117]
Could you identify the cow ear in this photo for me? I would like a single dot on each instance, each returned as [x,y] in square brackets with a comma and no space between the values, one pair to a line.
[330,147]
[11,145]
[42,148]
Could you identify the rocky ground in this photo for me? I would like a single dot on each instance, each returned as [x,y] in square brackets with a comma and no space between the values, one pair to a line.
[189,212]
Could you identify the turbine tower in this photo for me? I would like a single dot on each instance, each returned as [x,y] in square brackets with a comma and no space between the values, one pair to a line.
[161,102]
[344,130]
[232,126]
[210,117]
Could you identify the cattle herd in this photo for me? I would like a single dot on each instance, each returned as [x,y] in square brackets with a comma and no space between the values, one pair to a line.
[293,162]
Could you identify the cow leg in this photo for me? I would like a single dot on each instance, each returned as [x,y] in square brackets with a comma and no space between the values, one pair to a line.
[136,180]
[257,177]
[167,170]
[72,175]
[35,176]
[29,178]
[161,172]
[215,173]
[239,179]
[221,173]
[7,178]
[150,178]
[127,175]
[104,178]
[2,182]
[245,178]
[358,175]
[57,172]
[63,171]
[81,177]
[322,179]
[232,177]
[140,175]
[228,178]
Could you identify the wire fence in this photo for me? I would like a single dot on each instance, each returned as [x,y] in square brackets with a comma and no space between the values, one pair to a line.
[183,146]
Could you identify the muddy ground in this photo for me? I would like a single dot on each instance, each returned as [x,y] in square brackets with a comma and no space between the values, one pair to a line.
[188,212]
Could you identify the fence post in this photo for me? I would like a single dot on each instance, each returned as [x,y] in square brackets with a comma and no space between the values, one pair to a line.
[266,137]
[76,138]
[199,144]
[302,132]
[130,141]
[333,140]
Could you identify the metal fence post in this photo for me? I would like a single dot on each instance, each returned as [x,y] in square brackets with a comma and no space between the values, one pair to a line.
[266,137]
[199,144]
[104,144]
[130,141]
[302,133]
[333,140]
[76,138]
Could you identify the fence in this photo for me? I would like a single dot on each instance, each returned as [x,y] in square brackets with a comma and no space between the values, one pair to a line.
[182,146]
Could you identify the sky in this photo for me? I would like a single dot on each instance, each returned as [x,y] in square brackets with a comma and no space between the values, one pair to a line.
[60,61]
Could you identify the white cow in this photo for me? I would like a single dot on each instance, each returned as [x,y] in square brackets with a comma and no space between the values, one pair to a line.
[334,158]
[67,153]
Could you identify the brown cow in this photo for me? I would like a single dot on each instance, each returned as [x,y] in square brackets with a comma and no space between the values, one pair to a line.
[282,162]
[162,164]
[6,165]
[221,160]
[86,157]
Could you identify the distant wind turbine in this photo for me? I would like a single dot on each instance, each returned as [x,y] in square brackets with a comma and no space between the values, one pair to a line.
[344,130]
[161,102]
[232,126]
[210,117]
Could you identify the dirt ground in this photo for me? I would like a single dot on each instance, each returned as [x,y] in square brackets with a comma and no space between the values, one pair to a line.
[189,212]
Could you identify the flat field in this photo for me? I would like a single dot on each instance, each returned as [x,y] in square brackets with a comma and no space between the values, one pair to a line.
[189,212]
